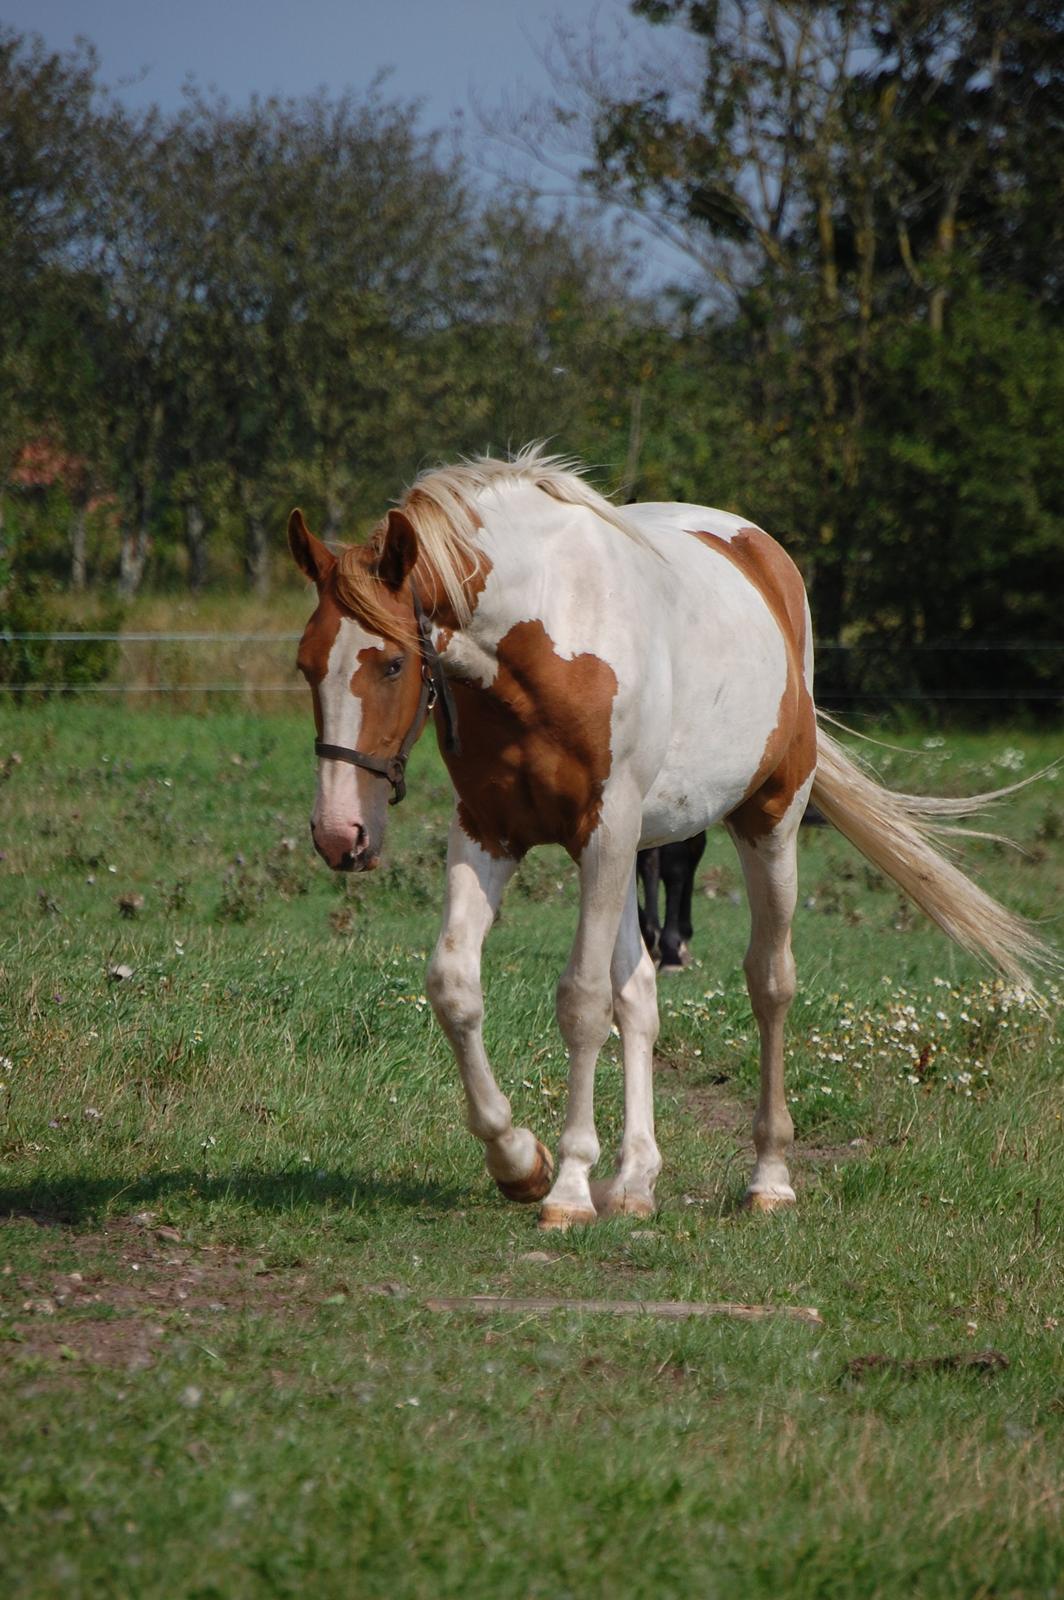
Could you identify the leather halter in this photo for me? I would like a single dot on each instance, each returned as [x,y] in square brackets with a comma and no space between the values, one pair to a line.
[434,687]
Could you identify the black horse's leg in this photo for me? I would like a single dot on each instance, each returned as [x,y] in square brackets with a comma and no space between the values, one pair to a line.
[696,848]
[678,865]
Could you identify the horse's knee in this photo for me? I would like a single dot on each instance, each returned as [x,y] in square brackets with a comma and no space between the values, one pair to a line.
[584,1010]
[453,985]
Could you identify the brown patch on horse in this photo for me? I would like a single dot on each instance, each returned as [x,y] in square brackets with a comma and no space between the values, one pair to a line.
[315,647]
[789,755]
[389,705]
[535,746]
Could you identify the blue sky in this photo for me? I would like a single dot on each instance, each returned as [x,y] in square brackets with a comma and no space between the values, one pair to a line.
[440,50]
[446,54]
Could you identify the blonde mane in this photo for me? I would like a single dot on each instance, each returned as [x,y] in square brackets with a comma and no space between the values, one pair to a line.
[440,506]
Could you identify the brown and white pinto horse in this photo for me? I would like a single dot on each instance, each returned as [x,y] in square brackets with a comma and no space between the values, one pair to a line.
[604,680]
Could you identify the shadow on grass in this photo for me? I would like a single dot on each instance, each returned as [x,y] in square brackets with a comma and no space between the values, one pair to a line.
[74,1199]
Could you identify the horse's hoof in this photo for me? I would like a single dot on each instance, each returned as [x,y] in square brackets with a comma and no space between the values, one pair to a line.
[556,1218]
[764,1200]
[678,963]
[629,1205]
[613,1201]
[526,1191]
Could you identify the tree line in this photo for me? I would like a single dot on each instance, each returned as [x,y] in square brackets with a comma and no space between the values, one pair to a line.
[214,313]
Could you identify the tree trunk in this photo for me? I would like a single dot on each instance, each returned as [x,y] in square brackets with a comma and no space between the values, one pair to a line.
[135,548]
[77,546]
[945,238]
[196,545]
[256,552]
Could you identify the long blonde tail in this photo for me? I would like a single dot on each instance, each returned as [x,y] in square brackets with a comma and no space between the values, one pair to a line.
[895,832]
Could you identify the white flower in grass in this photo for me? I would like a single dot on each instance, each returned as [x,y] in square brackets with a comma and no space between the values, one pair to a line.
[6,1063]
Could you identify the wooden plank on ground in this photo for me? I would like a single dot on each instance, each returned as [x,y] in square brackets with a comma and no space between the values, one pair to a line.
[489,1305]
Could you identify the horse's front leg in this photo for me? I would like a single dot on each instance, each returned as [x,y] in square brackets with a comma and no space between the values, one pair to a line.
[585,1006]
[476,881]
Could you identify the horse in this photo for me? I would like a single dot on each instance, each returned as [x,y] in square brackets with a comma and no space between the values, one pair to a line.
[606,680]
[673,865]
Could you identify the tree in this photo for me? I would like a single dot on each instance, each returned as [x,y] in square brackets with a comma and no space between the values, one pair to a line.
[51,109]
[839,175]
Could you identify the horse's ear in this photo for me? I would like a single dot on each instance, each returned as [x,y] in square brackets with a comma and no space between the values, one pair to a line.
[311,556]
[399,551]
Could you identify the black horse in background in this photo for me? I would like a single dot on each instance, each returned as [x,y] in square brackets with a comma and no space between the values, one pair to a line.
[673,865]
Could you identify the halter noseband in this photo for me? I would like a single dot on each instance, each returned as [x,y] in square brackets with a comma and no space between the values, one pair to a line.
[434,686]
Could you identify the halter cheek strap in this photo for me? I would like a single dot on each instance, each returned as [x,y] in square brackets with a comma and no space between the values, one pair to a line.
[434,687]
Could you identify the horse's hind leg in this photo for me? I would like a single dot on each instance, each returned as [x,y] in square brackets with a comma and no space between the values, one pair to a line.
[630,1192]
[770,867]
[520,1165]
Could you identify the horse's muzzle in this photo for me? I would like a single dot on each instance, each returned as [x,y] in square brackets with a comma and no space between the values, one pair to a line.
[349,851]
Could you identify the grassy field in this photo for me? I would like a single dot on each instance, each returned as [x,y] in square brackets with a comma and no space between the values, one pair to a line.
[233,1170]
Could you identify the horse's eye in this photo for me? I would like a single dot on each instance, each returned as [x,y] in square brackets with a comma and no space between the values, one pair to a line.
[394,668]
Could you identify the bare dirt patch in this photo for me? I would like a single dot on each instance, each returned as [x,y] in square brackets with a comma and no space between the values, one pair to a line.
[710,1104]
[134,1284]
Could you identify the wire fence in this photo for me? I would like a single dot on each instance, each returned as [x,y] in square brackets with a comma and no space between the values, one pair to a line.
[128,680]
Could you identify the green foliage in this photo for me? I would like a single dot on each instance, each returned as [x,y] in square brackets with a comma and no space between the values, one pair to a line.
[967,432]
[865,196]
[224,311]
[25,663]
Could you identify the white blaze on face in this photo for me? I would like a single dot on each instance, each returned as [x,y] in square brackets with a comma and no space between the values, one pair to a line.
[338,819]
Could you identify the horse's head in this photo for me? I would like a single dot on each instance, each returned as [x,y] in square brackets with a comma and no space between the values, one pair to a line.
[360,655]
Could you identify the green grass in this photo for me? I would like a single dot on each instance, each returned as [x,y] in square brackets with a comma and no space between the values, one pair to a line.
[256,1402]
